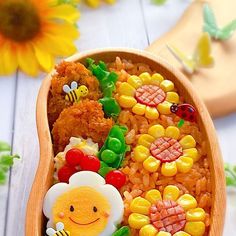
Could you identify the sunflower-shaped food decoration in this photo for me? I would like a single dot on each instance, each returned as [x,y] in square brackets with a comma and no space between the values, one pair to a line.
[164,147]
[33,33]
[167,215]
[147,95]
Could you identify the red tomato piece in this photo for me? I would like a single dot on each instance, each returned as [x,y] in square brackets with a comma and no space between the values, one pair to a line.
[74,157]
[90,162]
[116,178]
[65,172]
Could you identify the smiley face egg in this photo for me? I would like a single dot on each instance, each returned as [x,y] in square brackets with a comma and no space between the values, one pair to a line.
[86,206]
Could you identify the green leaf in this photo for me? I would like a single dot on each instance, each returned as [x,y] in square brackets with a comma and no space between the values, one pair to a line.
[228,30]
[209,16]
[230,172]
[7,160]
[159,2]
[2,177]
[4,147]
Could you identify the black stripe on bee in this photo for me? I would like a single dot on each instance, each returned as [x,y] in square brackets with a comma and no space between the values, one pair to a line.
[75,95]
[72,96]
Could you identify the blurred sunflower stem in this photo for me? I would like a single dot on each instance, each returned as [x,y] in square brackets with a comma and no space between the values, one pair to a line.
[33,33]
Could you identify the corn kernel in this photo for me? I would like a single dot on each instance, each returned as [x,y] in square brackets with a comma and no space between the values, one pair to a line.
[148,230]
[157,79]
[195,228]
[151,113]
[169,168]
[127,101]
[145,77]
[181,233]
[187,202]
[167,85]
[156,131]
[191,152]
[162,233]
[135,81]
[164,108]
[151,164]
[172,132]
[139,109]
[137,221]
[126,89]
[171,192]
[187,142]
[197,214]
[146,140]
[153,196]
[141,153]
[140,205]
[172,97]
[184,164]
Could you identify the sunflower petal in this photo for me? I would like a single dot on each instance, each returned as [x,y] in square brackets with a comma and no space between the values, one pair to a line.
[58,46]
[65,12]
[27,60]
[8,60]
[44,58]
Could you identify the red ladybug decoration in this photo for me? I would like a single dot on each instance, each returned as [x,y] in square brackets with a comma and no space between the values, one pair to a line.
[184,111]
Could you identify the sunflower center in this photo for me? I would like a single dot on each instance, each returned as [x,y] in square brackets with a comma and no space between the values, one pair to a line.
[150,95]
[19,20]
[166,149]
[168,216]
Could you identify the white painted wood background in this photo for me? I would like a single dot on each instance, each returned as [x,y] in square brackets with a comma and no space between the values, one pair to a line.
[129,23]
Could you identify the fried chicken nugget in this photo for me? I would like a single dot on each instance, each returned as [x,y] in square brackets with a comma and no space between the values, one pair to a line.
[66,73]
[85,119]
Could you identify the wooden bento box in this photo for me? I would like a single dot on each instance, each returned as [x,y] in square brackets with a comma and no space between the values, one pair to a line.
[35,221]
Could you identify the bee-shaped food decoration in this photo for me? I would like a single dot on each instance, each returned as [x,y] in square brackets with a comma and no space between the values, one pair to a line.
[74,92]
[185,112]
[59,230]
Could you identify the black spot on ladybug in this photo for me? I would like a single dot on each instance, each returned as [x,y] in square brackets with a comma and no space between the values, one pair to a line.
[184,115]
[183,108]
[191,117]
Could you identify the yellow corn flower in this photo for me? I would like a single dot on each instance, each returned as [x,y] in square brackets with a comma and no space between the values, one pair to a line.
[167,214]
[33,33]
[167,149]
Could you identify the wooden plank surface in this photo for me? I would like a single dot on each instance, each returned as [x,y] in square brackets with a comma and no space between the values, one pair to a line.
[129,23]
[7,105]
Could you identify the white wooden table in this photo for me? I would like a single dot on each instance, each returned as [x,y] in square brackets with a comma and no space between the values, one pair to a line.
[130,23]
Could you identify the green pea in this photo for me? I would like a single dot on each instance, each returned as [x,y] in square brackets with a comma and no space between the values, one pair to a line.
[114,144]
[108,156]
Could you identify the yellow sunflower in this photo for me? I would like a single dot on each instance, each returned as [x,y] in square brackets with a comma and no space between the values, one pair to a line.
[147,95]
[171,214]
[163,147]
[33,32]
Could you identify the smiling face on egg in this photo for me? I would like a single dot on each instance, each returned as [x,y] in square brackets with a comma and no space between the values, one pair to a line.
[83,210]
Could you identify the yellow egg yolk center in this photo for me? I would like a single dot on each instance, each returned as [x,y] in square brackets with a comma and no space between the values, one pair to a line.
[19,20]
[83,210]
